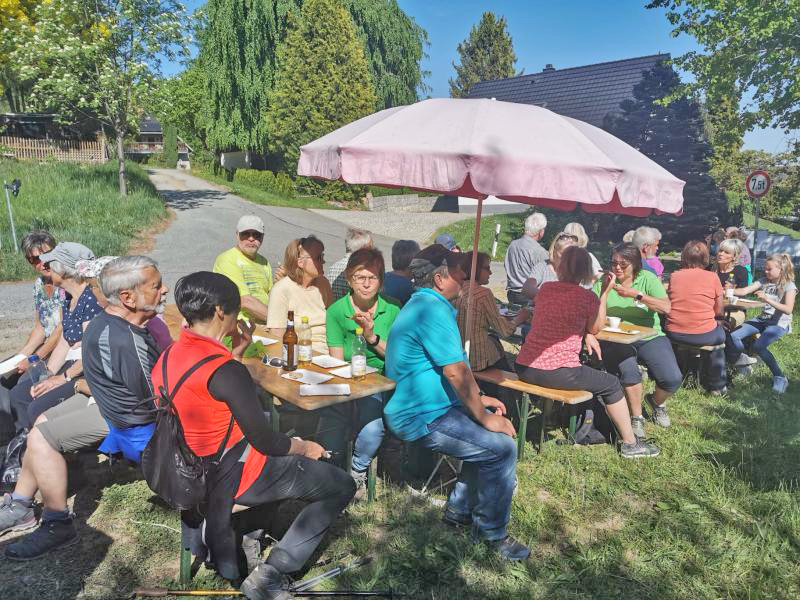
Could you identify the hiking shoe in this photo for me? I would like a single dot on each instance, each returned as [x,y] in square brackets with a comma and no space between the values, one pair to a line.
[637,424]
[639,449]
[265,582]
[454,520]
[779,384]
[745,361]
[660,416]
[509,548]
[361,484]
[50,535]
[15,516]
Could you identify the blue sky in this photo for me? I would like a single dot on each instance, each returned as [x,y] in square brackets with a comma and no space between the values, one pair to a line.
[569,33]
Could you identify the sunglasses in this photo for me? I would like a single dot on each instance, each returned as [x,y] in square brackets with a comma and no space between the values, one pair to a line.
[33,260]
[567,236]
[256,235]
[620,264]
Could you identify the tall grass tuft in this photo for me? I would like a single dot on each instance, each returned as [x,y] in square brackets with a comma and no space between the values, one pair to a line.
[77,203]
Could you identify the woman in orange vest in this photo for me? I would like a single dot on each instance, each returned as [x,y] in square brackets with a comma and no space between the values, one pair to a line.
[258,466]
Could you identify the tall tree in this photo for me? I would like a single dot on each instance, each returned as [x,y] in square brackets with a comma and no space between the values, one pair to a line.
[323,81]
[101,58]
[487,54]
[16,23]
[752,45]
[184,103]
[674,137]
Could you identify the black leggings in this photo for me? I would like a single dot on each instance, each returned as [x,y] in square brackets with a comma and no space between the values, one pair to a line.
[656,354]
[603,385]
[713,362]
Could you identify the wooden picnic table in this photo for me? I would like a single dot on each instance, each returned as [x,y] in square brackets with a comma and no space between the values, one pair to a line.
[742,304]
[626,338]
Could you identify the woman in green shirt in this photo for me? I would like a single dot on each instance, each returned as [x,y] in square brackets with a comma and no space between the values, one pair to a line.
[639,298]
[364,306]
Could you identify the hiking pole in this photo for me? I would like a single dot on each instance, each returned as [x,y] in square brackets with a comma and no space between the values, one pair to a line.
[164,592]
[14,187]
[335,572]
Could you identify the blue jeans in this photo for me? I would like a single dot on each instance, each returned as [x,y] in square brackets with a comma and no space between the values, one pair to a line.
[333,422]
[486,483]
[769,334]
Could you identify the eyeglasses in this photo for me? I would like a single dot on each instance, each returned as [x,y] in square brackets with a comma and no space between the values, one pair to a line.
[33,260]
[256,235]
[621,264]
[362,279]
[321,257]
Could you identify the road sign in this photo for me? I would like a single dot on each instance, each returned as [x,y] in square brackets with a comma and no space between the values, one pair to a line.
[758,183]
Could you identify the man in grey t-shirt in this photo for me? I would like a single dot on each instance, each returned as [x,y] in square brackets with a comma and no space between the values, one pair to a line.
[523,255]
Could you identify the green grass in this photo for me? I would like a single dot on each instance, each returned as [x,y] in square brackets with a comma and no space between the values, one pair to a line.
[259,196]
[749,221]
[75,203]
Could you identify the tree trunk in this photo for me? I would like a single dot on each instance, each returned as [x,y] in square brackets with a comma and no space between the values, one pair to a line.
[123,186]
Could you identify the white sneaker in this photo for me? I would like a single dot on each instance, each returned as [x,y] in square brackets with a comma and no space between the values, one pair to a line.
[745,361]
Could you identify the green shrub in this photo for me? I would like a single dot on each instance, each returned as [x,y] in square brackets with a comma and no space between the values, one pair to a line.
[280,184]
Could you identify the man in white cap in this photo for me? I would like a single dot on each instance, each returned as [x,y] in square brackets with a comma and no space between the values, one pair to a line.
[250,271]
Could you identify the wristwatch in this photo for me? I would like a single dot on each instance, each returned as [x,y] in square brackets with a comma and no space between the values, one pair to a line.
[67,378]
[639,297]
[376,342]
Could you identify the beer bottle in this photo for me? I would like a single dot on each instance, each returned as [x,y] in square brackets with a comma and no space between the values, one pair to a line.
[290,344]
[304,343]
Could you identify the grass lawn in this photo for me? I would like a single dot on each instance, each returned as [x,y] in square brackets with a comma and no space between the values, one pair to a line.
[260,196]
[717,515]
[750,220]
[76,203]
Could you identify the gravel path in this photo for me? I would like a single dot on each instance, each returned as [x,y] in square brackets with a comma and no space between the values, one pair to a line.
[419,227]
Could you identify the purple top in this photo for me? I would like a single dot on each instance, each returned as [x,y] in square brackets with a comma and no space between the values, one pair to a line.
[656,265]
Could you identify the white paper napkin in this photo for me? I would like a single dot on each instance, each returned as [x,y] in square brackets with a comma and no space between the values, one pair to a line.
[346,372]
[304,376]
[327,362]
[325,389]
[8,365]
[264,340]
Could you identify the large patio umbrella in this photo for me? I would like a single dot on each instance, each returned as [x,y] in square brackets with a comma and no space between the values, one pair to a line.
[479,148]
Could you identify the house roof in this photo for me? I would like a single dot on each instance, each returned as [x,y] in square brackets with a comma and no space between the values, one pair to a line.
[587,93]
[149,125]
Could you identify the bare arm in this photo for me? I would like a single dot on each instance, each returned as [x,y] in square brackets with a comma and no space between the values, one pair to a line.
[719,306]
[35,339]
[599,322]
[255,307]
[50,343]
[460,377]
[58,356]
[786,307]
[755,286]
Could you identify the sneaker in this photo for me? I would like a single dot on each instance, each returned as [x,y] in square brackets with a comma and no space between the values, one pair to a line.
[639,449]
[361,484]
[50,535]
[265,582]
[454,520]
[509,548]
[660,416]
[637,424]
[745,361]
[779,384]
[15,516]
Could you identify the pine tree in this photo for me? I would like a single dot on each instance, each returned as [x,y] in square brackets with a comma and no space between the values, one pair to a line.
[322,83]
[487,54]
[170,146]
[674,137]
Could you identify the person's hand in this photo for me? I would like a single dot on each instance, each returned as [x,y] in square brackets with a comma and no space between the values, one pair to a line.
[593,346]
[313,450]
[609,281]
[365,321]
[626,292]
[761,295]
[22,365]
[81,387]
[493,403]
[523,316]
[241,337]
[48,384]
[499,424]
[279,273]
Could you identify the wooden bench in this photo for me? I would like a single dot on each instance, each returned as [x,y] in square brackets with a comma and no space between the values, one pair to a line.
[683,353]
[511,381]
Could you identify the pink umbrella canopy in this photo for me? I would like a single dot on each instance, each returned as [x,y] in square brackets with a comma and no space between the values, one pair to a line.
[479,148]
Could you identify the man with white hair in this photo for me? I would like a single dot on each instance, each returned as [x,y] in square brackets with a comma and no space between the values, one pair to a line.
[354,239]
[523,255]
[118,355]
[647,239]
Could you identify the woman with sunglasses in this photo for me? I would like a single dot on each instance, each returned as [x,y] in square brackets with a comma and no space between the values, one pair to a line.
[304,289]
[545,272]
[638,297]
[365,307]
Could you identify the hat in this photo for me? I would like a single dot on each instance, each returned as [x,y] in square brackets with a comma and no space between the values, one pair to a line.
[68,254]
[250,223]
[445,240]
[91,268]
[428,259]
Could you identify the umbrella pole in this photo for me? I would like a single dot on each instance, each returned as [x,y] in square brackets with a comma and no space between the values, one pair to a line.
[470,316]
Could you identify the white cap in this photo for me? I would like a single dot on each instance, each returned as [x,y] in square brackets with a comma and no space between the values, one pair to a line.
[250,223]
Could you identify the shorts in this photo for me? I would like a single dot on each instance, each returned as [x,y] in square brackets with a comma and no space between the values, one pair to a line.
[74,424]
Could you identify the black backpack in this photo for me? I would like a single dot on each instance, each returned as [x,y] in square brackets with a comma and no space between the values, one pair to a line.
[593,425]
[170,468]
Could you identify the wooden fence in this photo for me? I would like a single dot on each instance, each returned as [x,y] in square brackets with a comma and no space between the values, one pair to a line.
[62,150]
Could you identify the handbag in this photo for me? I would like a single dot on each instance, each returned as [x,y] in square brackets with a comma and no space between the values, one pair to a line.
[175,473]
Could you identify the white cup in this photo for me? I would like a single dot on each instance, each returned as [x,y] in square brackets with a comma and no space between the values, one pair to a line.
[614,322]
[729,294]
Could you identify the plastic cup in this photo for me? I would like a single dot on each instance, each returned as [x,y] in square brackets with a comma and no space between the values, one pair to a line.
[614,322]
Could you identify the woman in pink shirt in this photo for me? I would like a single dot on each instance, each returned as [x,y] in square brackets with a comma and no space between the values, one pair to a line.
[697,303]
[565,313]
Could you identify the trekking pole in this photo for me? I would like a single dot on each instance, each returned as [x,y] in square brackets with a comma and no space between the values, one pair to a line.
[335,572]
[164,592]
[14,186]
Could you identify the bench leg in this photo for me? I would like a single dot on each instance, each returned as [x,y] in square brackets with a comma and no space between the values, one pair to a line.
[372,475]
[547,410]
[573,423]
[185,576]
[524,413]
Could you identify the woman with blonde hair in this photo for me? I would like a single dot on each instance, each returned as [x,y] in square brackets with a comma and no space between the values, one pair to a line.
[579,232]
[304,290]
[778,291]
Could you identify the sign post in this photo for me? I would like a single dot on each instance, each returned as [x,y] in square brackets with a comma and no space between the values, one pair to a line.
[757,184]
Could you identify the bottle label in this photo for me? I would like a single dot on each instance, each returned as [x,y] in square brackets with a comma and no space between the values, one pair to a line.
[359,365]
[289,357]
[304,353]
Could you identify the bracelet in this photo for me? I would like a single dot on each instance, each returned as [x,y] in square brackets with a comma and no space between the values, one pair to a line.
[376,342]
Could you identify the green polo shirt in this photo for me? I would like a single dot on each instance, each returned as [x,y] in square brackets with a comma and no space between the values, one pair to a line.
[340,328]
[631,311]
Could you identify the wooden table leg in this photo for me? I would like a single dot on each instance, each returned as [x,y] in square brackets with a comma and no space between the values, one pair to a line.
[372,475]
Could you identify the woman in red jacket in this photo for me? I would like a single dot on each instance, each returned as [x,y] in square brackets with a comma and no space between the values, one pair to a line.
[259,466]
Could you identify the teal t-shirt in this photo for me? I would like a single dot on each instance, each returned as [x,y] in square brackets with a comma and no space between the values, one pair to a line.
[424,339]
[340,328]
[631,311]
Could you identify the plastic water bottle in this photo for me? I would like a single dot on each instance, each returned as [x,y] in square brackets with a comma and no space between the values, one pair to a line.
[304,343]
[37,370]
[358,356]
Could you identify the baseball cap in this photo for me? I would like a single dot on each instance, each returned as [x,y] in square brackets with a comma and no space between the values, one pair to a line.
[430,258]
[445,240]
[68,254]
[250,223]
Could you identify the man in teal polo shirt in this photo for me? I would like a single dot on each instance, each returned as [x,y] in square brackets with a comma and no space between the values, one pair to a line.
[437,402]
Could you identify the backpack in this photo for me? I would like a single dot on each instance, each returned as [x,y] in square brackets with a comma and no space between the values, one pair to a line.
[175,473]
[593,425]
